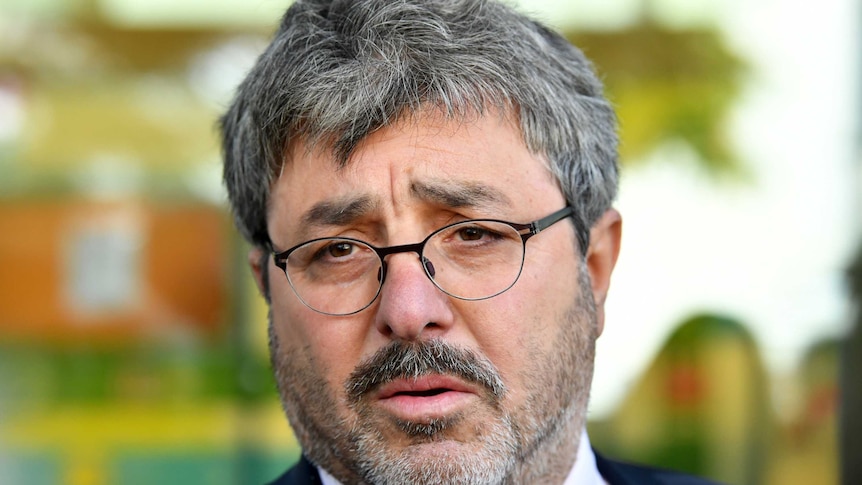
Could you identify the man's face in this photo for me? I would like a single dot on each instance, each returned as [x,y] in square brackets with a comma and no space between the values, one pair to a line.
[421,387]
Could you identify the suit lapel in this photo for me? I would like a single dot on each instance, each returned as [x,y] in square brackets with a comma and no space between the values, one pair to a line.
[620,474]
[303,473]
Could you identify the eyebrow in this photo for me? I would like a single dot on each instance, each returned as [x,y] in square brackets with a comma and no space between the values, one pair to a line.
[339,212]
[346,210]
[460,194]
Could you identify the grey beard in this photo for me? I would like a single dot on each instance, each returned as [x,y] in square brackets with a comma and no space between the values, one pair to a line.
[533,443]
[379,465]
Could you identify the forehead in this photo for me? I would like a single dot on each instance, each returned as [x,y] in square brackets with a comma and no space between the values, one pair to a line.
[427,161]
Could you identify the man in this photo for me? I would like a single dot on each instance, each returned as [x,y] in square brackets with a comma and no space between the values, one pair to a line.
[427,186]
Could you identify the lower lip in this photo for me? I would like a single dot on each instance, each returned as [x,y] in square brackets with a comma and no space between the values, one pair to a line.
[426,408]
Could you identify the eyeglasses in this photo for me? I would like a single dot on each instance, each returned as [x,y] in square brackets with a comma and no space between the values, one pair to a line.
[475,259]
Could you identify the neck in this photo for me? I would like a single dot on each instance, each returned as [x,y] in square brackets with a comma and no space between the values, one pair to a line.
[553,457]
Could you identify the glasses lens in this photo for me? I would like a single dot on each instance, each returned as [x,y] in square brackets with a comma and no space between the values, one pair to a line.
[334,276]
[475,260]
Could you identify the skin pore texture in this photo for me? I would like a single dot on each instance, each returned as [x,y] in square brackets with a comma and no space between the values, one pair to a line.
[421,387]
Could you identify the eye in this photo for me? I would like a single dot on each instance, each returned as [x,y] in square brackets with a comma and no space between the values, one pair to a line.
[472,233]
[339,249]
[330,252]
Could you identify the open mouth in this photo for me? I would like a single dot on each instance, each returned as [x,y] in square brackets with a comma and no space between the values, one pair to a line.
[426,397]
[424,386]
[425,393]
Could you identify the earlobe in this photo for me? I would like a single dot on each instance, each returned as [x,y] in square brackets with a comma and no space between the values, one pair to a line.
[257,258]
[601,258]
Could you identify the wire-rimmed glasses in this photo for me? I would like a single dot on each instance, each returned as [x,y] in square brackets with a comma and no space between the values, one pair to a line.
[474,259]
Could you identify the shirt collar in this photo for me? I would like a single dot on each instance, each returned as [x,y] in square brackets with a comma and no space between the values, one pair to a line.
[583,472]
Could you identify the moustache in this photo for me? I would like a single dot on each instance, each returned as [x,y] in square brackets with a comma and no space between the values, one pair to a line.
[411,360]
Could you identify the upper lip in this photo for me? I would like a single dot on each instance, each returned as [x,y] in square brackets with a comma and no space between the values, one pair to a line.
[428,383]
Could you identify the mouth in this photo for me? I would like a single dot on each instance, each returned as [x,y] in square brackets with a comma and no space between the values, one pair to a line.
[425,398]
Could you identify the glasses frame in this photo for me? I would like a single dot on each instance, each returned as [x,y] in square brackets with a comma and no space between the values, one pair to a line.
[526,231]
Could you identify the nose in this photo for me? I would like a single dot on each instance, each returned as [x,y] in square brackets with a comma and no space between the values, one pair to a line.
[410,306]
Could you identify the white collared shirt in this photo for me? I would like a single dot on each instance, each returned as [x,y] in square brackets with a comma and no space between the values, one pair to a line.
[583,472]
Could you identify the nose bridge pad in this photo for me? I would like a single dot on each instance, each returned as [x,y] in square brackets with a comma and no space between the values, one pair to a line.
[429,267]
[426,265]
[381,272]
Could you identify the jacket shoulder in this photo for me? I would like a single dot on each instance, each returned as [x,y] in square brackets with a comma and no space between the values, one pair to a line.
[622,473]
[302,473]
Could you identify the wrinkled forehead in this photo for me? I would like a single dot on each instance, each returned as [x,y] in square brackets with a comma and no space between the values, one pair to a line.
[428,125]
[338,145]
[479,163]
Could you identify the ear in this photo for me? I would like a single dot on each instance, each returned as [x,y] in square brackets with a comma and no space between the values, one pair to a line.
[257,258]
[602,257]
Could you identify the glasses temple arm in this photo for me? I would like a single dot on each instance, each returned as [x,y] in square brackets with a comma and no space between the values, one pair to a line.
[581,231]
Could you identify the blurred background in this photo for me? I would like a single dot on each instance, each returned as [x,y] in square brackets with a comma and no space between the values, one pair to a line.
[132,339]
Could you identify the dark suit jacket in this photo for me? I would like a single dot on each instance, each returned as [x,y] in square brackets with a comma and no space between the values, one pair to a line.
[615,473]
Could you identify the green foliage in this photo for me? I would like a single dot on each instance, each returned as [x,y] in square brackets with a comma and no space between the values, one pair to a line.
[668,85]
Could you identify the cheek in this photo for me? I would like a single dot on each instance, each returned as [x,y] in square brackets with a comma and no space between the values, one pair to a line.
[519,330]
[330,347]
[506,333]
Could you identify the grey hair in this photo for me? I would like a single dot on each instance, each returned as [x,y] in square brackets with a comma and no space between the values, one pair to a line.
[338,70]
